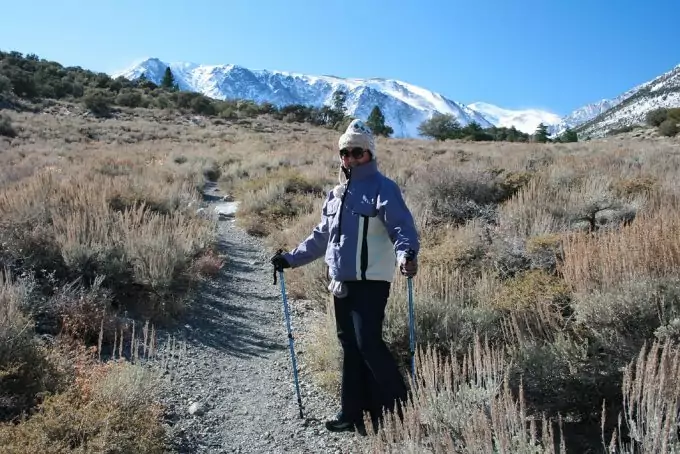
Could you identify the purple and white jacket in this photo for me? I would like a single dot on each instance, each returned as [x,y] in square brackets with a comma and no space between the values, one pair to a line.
[364,229]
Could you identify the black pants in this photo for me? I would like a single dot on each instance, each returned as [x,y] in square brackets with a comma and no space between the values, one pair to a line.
[370,377]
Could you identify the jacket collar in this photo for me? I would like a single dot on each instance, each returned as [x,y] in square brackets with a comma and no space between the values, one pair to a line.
[364,170]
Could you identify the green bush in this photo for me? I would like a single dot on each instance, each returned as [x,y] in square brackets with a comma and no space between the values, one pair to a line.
[5,84]
[129,98]
[98,102]
[6,128]
[668,128]
[656,117]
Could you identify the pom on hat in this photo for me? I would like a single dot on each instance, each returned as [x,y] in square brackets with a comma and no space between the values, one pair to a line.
[357,135]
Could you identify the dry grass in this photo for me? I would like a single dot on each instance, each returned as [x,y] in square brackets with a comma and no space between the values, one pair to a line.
[532,246]
[25,370]
[109,407]
[649,247]
[99,226]
[651,395]
[466,406]
[563,256]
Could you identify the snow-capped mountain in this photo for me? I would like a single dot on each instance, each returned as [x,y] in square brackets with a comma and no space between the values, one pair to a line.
[405,106]
[525,120]
[586,113]
[633,106]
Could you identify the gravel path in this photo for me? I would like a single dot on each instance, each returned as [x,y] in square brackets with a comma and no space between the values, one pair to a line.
[229,387]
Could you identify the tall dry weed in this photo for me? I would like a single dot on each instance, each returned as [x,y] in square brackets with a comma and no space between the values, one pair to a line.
[648,247]
[651,398]
[465,406]
[25,372]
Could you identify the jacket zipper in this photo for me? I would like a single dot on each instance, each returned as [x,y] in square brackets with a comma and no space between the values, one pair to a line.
[342,205]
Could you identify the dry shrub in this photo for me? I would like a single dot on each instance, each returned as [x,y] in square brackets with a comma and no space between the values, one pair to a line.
[529,212]
[208,263]
[534,304]
[621,319]
[465,406]
[651,398]
[624,187]
[463,247]
[277,199]
[546,206]
[567,375]
[450,307]
[545,252]
[84,312]
[80,228]
[649,247]
[445,195]
[323,351]
[24,370]
[109,408]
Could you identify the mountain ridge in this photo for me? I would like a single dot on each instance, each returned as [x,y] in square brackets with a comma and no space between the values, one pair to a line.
[404,105]
[662,91]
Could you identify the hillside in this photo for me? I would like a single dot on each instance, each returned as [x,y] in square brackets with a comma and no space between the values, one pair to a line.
[633,106]
[38,80]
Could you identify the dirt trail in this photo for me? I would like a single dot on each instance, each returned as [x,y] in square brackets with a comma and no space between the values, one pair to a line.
[231,389]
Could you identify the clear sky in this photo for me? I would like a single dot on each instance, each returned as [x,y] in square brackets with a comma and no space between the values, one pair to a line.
[557,55]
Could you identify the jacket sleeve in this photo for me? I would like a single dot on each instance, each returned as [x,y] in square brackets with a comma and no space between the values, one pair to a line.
[398,219]
[314,246]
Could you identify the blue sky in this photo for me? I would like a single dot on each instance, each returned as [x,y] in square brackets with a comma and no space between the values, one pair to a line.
[555,55]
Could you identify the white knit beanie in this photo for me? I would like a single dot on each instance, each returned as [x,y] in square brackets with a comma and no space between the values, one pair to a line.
[357,135]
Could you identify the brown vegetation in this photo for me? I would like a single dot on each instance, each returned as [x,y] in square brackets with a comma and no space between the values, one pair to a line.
[545,269]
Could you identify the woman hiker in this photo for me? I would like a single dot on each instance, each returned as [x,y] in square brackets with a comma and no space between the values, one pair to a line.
[366,229]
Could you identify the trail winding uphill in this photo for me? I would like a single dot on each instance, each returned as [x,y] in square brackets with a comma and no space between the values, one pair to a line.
[230,387]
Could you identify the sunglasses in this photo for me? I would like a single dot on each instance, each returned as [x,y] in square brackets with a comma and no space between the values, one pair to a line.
[356,153]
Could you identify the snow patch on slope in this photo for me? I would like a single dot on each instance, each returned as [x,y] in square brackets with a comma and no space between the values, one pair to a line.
[524,120]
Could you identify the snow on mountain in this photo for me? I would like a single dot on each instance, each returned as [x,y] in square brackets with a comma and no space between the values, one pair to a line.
[405,106]
[525,120]
[588,112]
[627,109]
[633,106]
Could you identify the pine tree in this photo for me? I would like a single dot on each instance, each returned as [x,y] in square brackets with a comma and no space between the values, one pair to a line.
[541,134]
[339,100]
[376,121]
[338,110]
[569,135]
[168,81]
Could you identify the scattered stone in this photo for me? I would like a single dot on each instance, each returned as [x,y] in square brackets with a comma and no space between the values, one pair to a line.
[197,409]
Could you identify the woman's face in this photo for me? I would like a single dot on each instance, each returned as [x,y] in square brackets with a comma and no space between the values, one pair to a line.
[354,157]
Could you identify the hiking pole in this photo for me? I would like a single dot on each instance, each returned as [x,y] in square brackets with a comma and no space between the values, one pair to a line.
[290,337]
[411,319]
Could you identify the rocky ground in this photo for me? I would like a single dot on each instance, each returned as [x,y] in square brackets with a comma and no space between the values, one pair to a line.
[228,385]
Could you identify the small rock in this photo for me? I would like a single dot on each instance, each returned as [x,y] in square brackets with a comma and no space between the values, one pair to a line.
[197,409]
